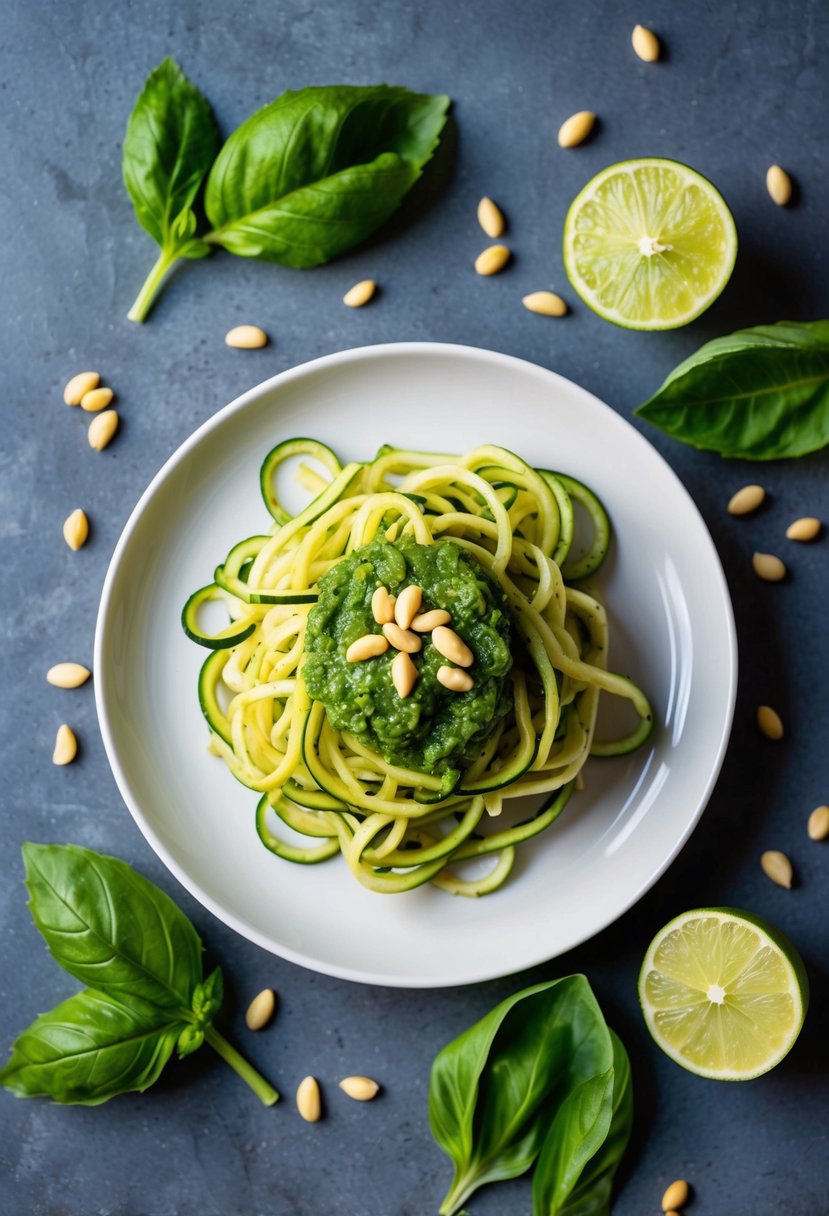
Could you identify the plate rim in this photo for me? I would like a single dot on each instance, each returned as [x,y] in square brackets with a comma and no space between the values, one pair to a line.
[214,906]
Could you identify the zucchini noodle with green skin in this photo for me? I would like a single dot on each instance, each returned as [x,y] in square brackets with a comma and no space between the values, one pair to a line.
[398,820]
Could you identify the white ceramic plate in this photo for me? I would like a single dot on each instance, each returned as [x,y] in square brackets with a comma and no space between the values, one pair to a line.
[672,629]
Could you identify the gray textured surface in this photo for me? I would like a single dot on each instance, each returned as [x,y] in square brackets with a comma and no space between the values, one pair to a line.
[742,85]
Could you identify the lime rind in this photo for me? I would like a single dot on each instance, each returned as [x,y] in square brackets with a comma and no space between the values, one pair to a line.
[726,998]
[678,214]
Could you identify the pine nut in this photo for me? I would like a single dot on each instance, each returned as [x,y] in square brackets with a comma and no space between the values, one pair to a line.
[401,639]
[447,643]
[576,129]
[491,218]
[493,259]
[818,826]
[545,303]
[66,746]
[79,386]
[778,868]
[676,1195]
[361,1089]
[308,1100]
[746,500]
[246,337]
[102,428]
[779,185]
[260,1010]
[804,529]
[645,43]
[768,567]
[455,679]
[408,605]
[427,621]
[382,606]
[360,293]
[68,675]
[403,674]
[769,722]
[96,399]
[366,647]
[76,529]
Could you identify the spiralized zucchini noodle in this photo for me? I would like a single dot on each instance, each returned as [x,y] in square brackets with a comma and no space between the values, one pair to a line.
[398,827]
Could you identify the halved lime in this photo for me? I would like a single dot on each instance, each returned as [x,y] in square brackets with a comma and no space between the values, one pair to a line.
[649,244]
[724,993]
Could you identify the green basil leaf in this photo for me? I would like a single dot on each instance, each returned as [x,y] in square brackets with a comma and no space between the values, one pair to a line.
[90,1048]
[317,171]
[170,143]
[111,928]
[207,998]
[759,394]
[576,1134]
[496,1089]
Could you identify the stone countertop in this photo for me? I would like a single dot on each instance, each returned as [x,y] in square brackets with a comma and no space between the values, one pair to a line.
[741,85]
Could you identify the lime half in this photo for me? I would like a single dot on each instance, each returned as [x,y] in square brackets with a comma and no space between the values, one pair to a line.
[724,993]
[649,244]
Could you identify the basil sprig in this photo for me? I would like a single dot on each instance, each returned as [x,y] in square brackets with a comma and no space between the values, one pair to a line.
[141,958]
[302,180]
[541,1079]
[758,394]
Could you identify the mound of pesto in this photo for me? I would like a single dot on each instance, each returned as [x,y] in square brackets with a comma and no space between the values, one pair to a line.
[433,729]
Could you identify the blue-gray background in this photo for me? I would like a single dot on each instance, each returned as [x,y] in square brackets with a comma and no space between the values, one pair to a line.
[741,86]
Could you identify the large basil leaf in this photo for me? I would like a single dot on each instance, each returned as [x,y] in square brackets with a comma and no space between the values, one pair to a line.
[759,394]
[170,143]
[111,928]
[318,170]
[90,1048]
[496,1092]
[562,1189]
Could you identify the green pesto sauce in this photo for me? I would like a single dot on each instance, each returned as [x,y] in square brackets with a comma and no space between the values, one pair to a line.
[433,730]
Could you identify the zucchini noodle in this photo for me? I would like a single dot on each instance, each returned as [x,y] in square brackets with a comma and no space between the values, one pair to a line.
[398,827]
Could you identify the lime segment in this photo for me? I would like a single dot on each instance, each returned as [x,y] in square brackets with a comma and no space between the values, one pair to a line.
[649,244]
[724,993]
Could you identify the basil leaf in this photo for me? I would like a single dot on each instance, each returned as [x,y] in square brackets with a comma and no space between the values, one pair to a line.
[498,1089]
[89,1049]
[759,394]
[317,171]
[170,143]
[111,928]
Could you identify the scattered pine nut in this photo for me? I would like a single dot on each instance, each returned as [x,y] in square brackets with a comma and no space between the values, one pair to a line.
[403,674]
[545,303]
[96,399]
[778,868]
[770,722]
[246,337]
[401,639]
[76,529]
[427,621]
[455,679]
[308,1100]
[360,293]
[382,606]
[260,1010]
[66,745]
[645,43]
[79,386]
[779,185]
[361,1089]
[818,826]
[408,605]
[366,647]
[576,128]
[491,218]
[68,675]
[746,500]
[676,1195]
[804,529]
[452,647]
[493,259]
[102,429]
[768,567]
